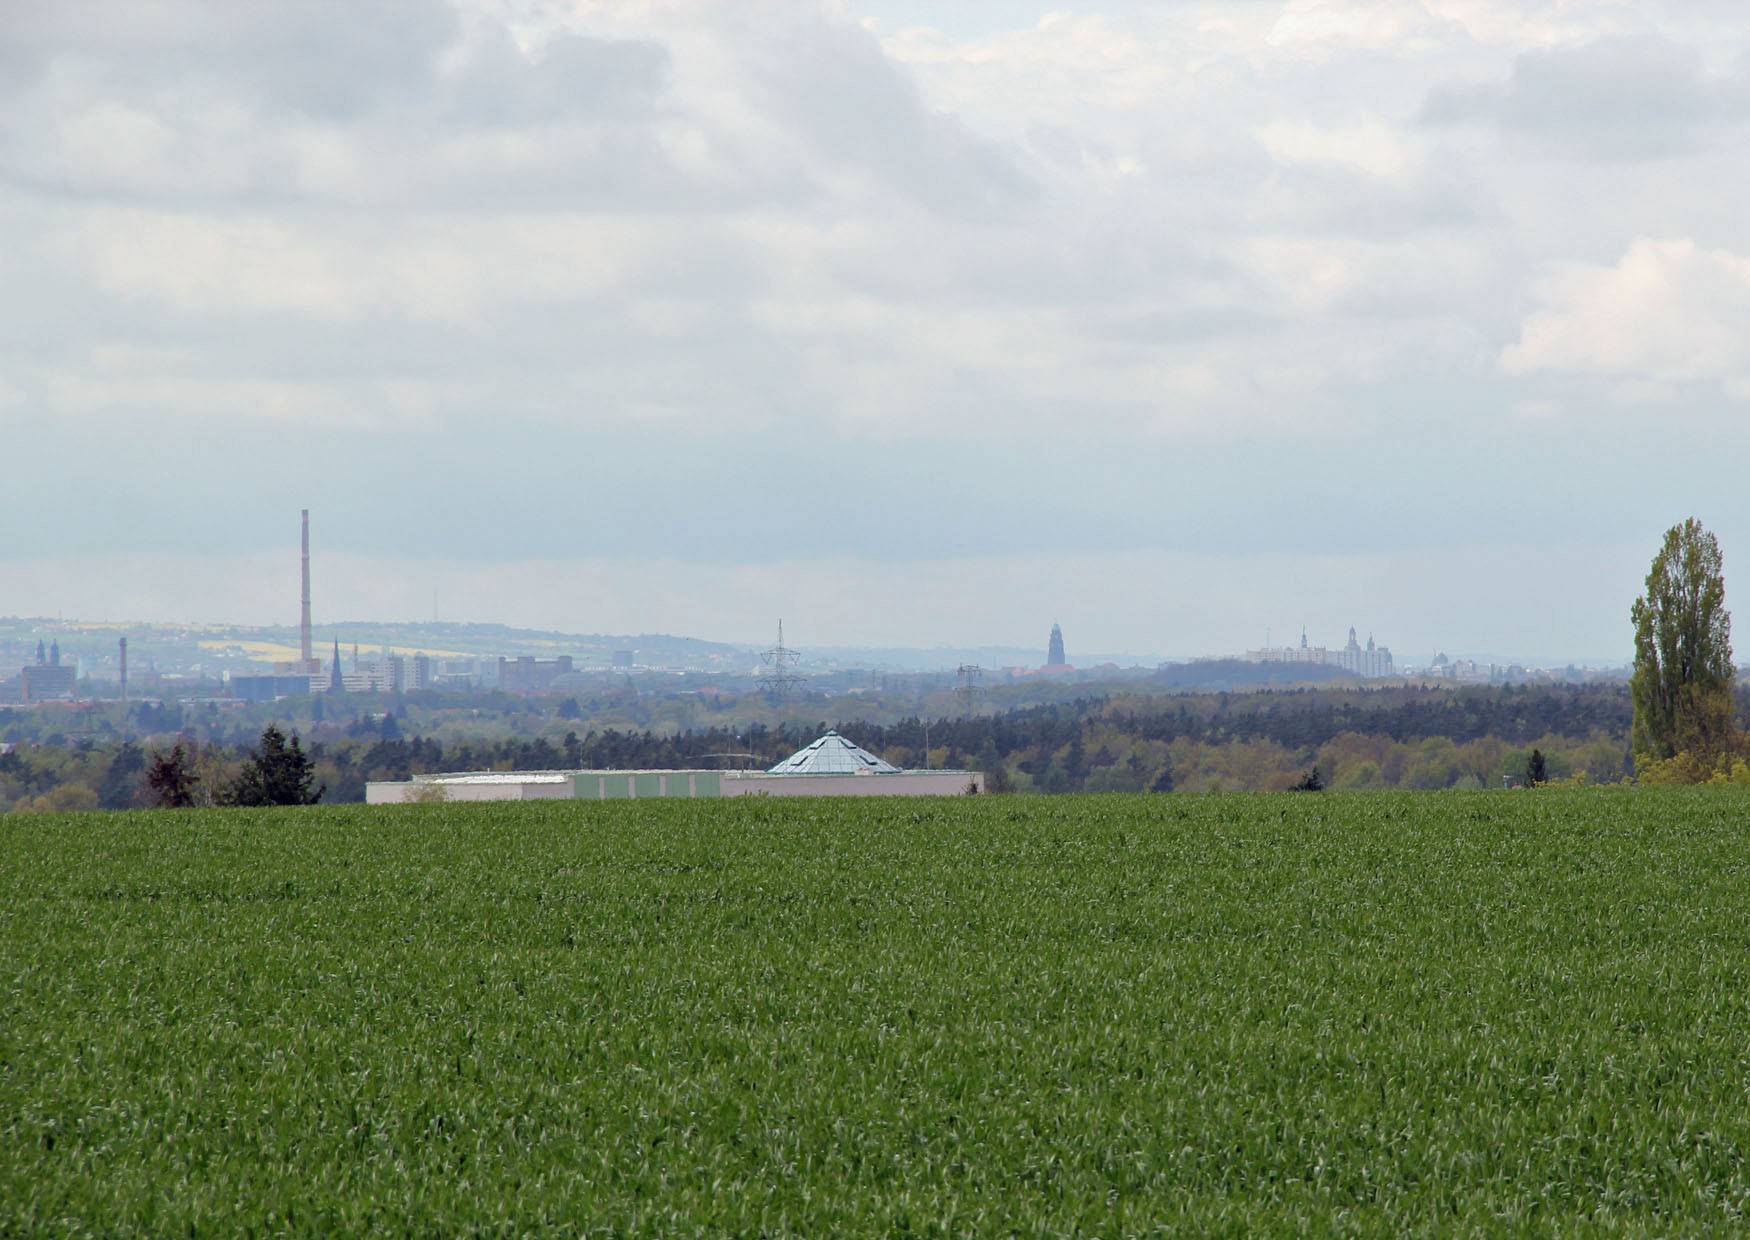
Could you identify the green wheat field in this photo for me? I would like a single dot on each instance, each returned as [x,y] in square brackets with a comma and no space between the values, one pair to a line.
[1465,1012]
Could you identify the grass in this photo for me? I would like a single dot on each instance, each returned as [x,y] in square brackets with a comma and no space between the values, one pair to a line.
[1377,1013]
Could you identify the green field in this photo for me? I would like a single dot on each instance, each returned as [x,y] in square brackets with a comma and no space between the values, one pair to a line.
[1389,1012]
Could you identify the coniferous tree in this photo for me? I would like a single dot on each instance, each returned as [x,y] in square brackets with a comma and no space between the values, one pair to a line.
[1536,769]
[120,788]
[277,773]
[1682,686]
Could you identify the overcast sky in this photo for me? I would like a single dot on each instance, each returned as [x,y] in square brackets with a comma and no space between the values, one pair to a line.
[911,323]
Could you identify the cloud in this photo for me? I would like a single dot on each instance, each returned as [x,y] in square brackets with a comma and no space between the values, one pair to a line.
[1668,312]
[429,268]
[1372,148]
[1425,28]
[397,104]
[1622,98]
[656,269]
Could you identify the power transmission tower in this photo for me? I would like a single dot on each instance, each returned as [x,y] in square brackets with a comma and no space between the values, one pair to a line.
[968,690]
[780,679]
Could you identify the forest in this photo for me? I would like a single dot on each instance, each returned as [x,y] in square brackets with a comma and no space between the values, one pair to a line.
[1404,737]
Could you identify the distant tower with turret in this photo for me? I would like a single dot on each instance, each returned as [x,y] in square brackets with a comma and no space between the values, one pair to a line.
[1054,656]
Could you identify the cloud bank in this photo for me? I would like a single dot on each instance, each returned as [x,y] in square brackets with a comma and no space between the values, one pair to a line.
[859,283]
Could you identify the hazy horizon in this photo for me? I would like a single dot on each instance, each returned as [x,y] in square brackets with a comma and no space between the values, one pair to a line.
[917,325]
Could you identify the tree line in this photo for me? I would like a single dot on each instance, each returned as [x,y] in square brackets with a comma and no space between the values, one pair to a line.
[1392,738]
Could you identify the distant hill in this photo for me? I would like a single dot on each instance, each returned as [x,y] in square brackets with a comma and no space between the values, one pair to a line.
[211,649]
[490,640]
[947,658]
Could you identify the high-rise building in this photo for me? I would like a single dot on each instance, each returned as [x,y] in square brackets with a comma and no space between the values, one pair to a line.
[47,681]
[1054,656]
[531,675]
[1370,661]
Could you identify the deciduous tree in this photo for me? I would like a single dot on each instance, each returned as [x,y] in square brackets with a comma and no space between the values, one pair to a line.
[1682,684]
[171,778]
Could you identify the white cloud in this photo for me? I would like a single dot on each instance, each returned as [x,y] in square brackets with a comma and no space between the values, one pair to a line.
[1670,311]
[1372,147]
[1324,26]
[1421,28]
[421,267]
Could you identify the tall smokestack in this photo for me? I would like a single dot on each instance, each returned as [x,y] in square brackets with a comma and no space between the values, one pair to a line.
[305,651]
[124,666]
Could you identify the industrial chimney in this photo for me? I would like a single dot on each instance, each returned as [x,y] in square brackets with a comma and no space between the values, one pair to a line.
[124,667]
[304,649]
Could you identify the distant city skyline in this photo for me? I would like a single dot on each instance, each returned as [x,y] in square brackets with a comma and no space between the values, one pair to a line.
[254,581]
[404,639]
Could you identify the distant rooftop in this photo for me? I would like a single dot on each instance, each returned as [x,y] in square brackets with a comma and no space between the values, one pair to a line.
[832,754]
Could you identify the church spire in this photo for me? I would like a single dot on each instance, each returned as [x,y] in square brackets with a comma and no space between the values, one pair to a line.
[1054,656]
[335,683]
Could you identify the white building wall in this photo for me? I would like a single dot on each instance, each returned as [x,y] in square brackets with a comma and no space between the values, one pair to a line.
[734,784]
[904,784]
[387,793]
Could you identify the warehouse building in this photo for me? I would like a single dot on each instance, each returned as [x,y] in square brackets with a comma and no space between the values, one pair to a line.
[830,767]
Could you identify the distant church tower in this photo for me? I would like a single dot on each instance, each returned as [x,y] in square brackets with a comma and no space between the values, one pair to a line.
[1054,652]
[335,683]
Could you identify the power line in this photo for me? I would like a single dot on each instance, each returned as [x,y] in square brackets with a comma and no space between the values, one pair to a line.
[780,678]
[967,689]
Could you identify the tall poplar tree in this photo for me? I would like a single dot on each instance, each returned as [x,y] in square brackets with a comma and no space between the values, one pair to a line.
[1682,683]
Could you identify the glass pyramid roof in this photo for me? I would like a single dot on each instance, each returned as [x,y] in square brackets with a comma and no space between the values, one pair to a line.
[832,754]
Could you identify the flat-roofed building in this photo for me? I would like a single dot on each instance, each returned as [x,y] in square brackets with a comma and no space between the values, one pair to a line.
[530,675]
[830,766]
[47,682]
[268,688]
